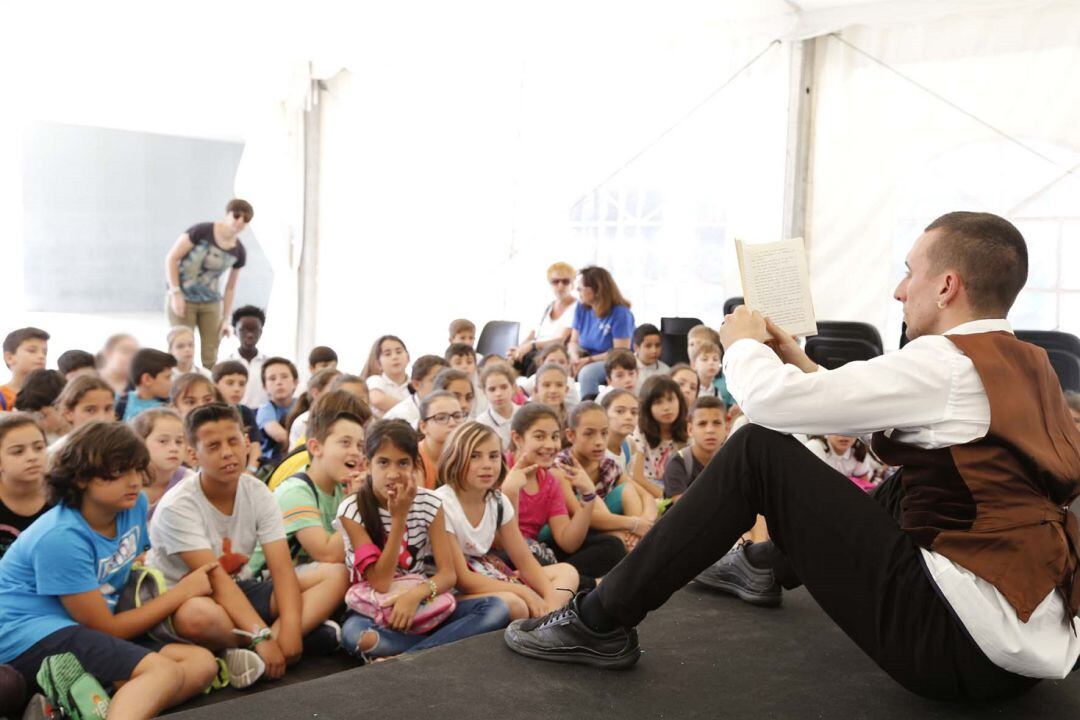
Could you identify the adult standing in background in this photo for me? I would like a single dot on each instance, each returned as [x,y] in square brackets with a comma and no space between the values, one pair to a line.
[555,323]
[193,270]
[602,323]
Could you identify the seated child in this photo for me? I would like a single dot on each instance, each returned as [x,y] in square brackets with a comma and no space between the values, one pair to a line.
[73,363]
[708,431]
[687,379]
[321,357]
[353,384]
[309,498]
[463,331]
[628,511]
[462,357]
[558,354]
[385,374]
[38,397]
[215,519]
[440,413]
[279,378]
[620,372]
[190,391]
[60,581]
[478,515]
[706,363]
[297,420]
[621,407]
[248,322]
[22,476]
[151,378]
[552,382]
[162,430]
[25,350]
[231,378]
[540,491]
[421,381]
[115,365]
[702,334]
[459,384]
[661,431]
[497,382]
[337,401]
[647,348]
[181,342]
[85,398]
[394,527]
[847,455]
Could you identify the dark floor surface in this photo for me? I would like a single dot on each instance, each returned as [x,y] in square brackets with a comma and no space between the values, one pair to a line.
[706,656]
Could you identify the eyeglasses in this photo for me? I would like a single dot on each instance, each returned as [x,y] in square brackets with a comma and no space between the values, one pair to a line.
[237,215]
[444,418]
[559,281]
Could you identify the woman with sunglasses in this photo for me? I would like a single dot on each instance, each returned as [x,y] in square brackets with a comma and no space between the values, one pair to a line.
[554,327]
[193,270]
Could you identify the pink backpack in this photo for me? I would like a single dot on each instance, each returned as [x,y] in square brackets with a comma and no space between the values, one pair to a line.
[367,601]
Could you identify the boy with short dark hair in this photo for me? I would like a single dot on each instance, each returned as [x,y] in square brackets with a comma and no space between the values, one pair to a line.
[708,431]
[151,376]
[621,370]
[647,347]
[279,378]
[460,356]
[463,331]
[38,397]
[322,357]
[230,377]
[73,363]
[25,350]
[222,514]
[423,375]
[248,322]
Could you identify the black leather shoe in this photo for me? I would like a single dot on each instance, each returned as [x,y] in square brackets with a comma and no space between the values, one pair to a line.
[734,575]
[562,636]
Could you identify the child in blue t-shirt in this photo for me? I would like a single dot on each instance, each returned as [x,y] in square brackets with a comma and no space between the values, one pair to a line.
[61,579]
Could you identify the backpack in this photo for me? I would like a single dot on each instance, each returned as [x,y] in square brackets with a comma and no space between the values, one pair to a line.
[66,684]
[369,602]
[143,585]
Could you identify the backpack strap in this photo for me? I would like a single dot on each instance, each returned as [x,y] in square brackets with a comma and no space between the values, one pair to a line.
[688,460]
[295,548]
[499,511]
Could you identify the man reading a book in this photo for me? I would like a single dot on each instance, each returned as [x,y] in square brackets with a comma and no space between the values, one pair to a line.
[966,589]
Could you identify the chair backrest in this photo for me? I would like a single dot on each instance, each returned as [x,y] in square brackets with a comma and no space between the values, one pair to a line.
[497,337]
[1051,340]
[834,352]
[732,303]
[854,330]
[673,332]
[1067,367]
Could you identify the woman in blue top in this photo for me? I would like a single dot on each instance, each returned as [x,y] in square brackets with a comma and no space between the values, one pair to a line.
[193,270]
[602,322]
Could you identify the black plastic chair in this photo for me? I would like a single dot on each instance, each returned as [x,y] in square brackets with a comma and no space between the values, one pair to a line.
[497,337]
[853,330]
[732,303]
[1067,367]
[834,352]
[1051,340]
[673,331]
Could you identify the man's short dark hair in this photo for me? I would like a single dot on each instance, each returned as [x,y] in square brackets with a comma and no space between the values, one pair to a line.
[321,354]
[228,367]
[40,390]
[149,361]
[989,254]
[213,412]
[459,350]
[643,331]
[15,338]
[97,449]
[72,360]
[248,311]
[278,361]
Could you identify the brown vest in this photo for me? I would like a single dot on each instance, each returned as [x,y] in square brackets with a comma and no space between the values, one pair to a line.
[998,506]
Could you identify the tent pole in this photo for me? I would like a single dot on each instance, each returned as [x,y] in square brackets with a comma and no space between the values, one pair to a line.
[799,140]
[309,256]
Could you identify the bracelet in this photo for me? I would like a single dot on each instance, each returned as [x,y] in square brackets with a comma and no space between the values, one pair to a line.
[588,497]
[175,291]
[256,637]
[637,522]
[434,589]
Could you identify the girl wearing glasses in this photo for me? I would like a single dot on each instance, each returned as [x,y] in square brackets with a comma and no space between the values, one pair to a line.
[193,270]
[554,327]
[440,413]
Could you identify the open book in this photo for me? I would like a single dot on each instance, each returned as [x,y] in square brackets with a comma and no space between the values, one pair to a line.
[776,283]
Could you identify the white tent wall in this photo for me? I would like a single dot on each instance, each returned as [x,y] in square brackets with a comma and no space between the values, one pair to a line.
[888,157]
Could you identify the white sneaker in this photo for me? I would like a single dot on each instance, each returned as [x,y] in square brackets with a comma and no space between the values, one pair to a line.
[245,667]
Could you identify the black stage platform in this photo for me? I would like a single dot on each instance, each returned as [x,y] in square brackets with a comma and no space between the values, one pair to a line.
[706,656]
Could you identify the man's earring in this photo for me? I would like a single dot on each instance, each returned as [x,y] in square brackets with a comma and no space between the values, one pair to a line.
[941,305]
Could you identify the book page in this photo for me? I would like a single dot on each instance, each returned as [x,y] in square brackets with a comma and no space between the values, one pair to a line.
[776,283]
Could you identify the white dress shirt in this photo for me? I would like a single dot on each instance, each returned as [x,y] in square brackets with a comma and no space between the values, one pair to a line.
[927,394]
[498,423]
[407,410]
[254,393]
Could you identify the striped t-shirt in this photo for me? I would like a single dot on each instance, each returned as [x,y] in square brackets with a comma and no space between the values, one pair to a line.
[424,508]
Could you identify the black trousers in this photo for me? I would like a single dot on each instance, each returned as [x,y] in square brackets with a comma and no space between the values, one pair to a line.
[848,550]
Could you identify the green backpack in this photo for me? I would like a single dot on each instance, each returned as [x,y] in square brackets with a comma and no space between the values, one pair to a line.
[143,585]
[76,692]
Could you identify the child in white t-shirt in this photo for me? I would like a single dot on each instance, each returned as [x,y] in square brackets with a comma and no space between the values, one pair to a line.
[385,375]
[497,382]
[422,378]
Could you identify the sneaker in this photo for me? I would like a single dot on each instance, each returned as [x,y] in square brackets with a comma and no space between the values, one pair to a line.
[733,574]
[244,667]
[562,636]
[323,640]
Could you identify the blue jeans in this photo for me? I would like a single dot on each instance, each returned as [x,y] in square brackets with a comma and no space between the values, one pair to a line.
[590,378]
[470,617]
